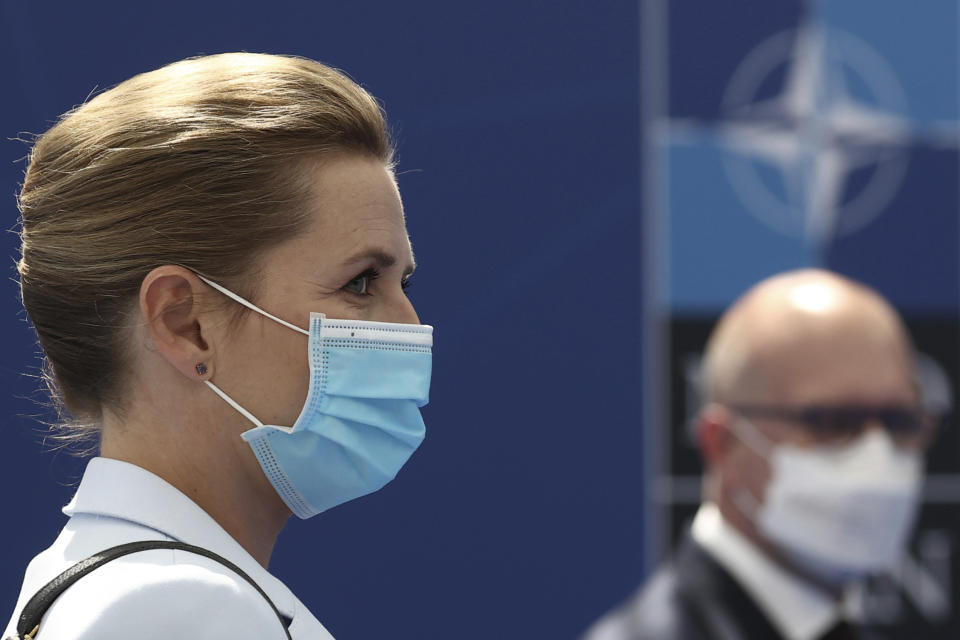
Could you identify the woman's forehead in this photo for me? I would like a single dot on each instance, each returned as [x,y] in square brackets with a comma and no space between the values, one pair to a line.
[355,212]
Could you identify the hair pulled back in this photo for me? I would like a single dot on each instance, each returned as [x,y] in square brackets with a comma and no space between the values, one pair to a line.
[195,164]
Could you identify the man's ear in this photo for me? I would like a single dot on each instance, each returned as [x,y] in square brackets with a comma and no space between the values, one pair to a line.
[714,437]
[169,306]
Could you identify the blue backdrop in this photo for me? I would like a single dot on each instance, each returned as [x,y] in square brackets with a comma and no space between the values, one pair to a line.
[518,128]
[554,185]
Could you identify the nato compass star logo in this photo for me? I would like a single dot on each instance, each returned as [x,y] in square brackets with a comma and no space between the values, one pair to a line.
[825,156]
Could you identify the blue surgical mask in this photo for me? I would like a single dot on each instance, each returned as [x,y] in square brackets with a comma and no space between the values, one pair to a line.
[361,421]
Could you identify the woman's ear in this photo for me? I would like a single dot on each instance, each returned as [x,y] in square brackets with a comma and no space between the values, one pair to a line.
[169,306]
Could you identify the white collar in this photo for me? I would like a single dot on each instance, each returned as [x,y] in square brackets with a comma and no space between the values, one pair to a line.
[797,609]
[122,490]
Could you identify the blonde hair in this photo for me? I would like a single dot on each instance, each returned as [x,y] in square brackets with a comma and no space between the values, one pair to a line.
[195,164]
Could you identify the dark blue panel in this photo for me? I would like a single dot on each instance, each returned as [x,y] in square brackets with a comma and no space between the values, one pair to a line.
[911,252]
[707,40]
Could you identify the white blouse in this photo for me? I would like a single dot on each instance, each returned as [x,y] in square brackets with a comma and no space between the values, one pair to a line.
[157,593]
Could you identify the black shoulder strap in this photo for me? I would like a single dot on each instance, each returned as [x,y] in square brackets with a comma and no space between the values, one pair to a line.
[32,613]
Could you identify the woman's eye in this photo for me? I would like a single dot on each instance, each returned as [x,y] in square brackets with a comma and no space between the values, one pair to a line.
[361,282]
[358,285]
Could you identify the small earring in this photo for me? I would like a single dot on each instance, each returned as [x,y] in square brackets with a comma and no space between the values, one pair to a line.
[201,369]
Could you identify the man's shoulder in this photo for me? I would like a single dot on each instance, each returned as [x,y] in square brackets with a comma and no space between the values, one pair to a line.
[690,597]
[659,610]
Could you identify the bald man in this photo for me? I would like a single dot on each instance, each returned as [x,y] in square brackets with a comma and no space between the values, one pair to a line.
[812,435]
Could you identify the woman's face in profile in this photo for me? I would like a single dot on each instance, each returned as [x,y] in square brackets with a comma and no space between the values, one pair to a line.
[352,261]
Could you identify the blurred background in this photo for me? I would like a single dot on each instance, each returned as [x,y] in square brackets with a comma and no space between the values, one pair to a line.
[587,185]
[787,134]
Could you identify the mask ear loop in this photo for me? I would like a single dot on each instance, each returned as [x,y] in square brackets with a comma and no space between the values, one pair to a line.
[246,414]
[230,294]
[749,435]
[753,438]
[250,305]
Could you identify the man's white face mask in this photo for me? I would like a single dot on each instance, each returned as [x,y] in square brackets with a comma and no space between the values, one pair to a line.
[841,512]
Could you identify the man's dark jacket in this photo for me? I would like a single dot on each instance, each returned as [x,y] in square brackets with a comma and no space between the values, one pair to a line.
[691,598]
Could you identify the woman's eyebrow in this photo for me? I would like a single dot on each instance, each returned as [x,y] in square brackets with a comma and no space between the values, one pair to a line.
[381,258]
